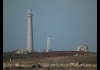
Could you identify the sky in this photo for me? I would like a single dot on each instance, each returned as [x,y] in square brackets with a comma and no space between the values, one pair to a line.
[68,23]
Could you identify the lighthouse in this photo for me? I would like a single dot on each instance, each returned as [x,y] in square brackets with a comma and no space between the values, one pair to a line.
[48,44]
[30,32]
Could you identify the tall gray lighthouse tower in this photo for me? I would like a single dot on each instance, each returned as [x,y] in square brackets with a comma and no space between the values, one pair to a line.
[30,32]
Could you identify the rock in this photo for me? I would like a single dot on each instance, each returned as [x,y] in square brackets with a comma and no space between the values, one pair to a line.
[23,51]
[17,64]
[83,48]
[4,65]
[76,54]
[10,59]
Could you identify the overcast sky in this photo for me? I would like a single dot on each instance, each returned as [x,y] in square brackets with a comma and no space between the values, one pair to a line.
[69,24]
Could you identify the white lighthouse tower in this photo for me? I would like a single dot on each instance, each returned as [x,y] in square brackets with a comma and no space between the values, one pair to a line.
[48,44]
[30,32]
